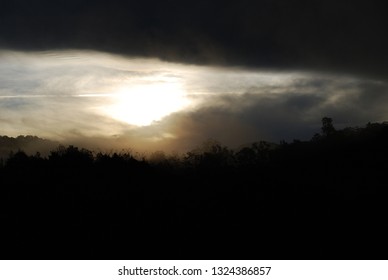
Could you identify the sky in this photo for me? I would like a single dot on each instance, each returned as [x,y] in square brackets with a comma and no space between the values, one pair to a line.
[168,75]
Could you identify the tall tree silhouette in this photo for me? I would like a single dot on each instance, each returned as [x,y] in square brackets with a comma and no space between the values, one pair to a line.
[327,126]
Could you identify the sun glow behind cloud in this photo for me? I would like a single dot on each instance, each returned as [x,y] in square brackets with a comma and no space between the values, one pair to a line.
[143,104]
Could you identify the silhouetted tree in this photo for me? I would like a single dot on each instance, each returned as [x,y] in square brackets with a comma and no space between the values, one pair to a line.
[71,156]
[211,154]
[327,126]
[246,156]
[18,160]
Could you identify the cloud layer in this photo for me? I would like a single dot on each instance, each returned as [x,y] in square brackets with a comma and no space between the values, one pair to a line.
[348,36]
[65,95]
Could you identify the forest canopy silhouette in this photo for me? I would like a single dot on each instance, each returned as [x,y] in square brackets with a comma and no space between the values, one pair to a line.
[322,198]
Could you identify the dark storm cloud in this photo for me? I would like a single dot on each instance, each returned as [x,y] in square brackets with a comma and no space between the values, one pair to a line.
[333,35]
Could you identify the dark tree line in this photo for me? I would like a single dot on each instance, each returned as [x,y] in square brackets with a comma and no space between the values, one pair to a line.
[323,198]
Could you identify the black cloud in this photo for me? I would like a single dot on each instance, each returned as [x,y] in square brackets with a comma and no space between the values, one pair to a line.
[333,35]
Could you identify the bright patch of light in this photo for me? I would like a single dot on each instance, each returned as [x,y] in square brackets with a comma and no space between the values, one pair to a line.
[143,104]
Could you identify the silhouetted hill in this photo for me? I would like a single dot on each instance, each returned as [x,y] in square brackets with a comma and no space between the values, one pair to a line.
[318,199]
[29,144]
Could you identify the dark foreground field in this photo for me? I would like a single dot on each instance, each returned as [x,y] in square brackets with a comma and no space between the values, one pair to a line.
[320,199]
